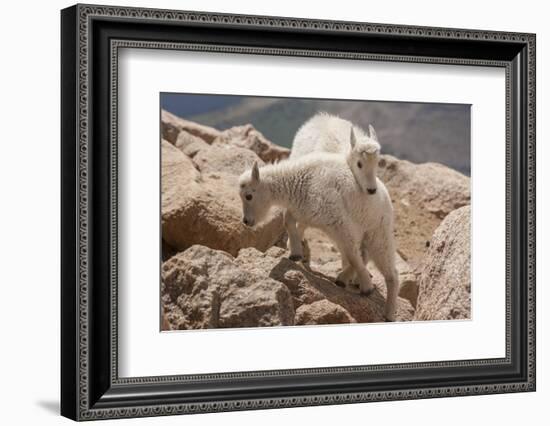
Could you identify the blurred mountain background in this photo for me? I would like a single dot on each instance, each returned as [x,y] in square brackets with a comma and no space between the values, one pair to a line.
[418,132]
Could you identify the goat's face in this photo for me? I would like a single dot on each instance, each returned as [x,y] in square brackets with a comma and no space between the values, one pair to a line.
[363,160]
[254,196]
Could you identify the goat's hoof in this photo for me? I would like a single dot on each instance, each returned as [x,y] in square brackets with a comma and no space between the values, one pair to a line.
[386,319]
[368,292]
[340,283]
[296,257]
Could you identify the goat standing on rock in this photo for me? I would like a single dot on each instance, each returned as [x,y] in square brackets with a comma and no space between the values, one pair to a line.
[320,190]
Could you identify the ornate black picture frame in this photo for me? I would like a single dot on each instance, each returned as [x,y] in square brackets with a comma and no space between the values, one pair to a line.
[90,38]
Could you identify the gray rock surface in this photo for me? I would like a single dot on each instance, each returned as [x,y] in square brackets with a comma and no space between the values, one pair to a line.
[205,288]
[445,283]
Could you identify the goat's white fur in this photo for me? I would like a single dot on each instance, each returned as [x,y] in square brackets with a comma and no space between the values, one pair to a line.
[319,190]
[329,133]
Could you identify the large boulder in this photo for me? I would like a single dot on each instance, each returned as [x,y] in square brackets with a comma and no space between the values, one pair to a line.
[422,195]
[248,137]
[225,159]
[179,175]
[171,126]
[444,289]
[205,208]
[205,288]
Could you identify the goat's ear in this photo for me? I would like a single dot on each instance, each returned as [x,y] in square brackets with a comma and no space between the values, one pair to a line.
[255,172]
[352,139]
[372,133]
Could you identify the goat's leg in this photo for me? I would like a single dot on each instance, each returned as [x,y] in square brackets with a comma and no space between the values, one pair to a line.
[384,259]
[392,285]
[294,240]
[345,264]
[347,274]
[364,255]
[301,228]
[351,252]
[365,284]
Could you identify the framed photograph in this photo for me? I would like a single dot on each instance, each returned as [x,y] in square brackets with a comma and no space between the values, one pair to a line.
[263,212]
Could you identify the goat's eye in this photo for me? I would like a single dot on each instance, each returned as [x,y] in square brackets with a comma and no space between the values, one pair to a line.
[248,197]
[359,164]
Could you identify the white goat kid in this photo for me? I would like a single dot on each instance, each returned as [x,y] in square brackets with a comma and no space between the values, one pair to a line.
[320,191]
[329,133]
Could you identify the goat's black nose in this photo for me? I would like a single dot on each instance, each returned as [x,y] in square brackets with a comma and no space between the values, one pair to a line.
[371,190]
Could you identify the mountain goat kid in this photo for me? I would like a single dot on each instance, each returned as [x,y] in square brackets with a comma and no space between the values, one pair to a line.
[329,133]
[319,190]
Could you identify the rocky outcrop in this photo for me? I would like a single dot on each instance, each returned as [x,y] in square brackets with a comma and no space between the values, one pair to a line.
[444,288]
[251,139]
[200,201]
[190,137]
[171,126]
[205,208]
[309,285]
[205,288]
[219,273]
[422,195]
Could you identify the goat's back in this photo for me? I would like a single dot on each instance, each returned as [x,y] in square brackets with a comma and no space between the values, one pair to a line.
[323,133]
